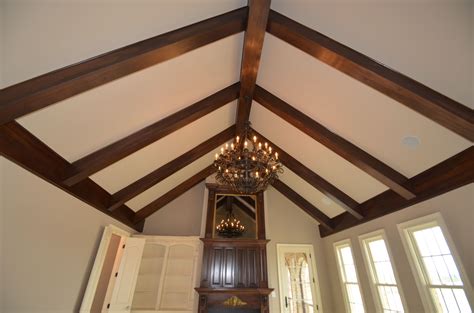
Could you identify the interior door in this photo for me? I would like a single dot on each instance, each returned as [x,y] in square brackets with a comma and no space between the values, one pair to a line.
[297,278]
[127,274]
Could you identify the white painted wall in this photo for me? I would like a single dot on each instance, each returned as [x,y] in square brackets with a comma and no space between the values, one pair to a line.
[457,209]
[181,217]
[286,223]
[49,243]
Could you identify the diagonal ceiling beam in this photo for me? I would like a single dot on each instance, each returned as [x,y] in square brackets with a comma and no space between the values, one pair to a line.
[448,175]
[339,145]
[243,207]
[100,159]
[21,147]
[173,194]
[325,187]
[294,197]
[144,183]
[253,44]
[39,92]
[424,100]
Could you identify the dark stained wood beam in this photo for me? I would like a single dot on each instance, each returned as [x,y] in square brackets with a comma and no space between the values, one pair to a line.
[448,175]
[39,92]
[100,159]
[294,197]
[173,194]
[21,147]
[339,145]
[325,187]
[424,100]
[248,199]
[253,44]
[142,184]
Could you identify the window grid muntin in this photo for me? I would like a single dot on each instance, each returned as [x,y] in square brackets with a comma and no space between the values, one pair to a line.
[398,303]
[439,305]
[353,295]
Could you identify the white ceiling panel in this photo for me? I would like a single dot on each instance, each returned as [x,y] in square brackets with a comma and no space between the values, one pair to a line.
[361,115]
[146,160]
[308,192]
[82,124]
[169,183]
[317,157]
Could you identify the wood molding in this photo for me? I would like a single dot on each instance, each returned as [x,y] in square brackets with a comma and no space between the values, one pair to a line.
[325,187]
[173,194]
[146,182]
[19,146]
[98,160]
[448,175]
[424,100]
[339,145]
[305,205]
[253,44]
[39,92]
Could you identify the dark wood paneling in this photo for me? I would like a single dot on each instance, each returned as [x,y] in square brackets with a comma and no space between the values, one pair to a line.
[253,43]
[217,261]
[325,187]
[261,234]
[229,267]
[433,105]
[253,269]
[448,175]
[114,152]
[139,186]
[241,268]
[339,145]
[21,147]
[61,84]
[294,197]
[173,194]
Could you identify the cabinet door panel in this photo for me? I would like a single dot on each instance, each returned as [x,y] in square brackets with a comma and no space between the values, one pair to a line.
[229,260]
[124,288]
[216,269]
[252,261]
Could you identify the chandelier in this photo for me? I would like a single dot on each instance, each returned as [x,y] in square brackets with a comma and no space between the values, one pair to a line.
[230,226]
[247,166]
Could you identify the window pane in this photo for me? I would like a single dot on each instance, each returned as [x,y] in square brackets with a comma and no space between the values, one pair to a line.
[378,250]
[346,255]
[390,299]
[349,279]
[450,300]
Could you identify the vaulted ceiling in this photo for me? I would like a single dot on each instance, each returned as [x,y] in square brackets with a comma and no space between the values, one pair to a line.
[131,130]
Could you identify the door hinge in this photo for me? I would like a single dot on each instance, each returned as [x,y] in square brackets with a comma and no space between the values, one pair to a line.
[314,280]
[116,274]
[108,306]
[123,247]
[317,307]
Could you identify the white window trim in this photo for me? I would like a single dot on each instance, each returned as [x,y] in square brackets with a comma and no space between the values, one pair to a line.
[368,266]
[434,219]
[336,245]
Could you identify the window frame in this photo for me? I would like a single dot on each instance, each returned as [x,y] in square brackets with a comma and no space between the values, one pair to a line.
[341,244]
[368,262]
[406,230]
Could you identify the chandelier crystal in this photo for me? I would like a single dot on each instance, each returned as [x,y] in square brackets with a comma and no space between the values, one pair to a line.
[247,165]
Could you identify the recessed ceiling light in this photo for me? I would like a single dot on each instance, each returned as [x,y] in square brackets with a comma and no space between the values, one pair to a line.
[411,142]
[326,201]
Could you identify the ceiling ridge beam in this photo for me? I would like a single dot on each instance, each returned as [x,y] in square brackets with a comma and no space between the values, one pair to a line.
[302,203]
[21,147]
[366,162]
[100,159]
[319,183]
[251,53]
[420,98]
[47,89]
[453,173]
[153,178]
[174,193]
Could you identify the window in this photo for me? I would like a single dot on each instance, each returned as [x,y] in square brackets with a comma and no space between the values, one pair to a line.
[441,279]
[383,276]
[348,275]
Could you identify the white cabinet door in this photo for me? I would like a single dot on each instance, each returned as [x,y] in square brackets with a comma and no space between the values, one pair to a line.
[124,288]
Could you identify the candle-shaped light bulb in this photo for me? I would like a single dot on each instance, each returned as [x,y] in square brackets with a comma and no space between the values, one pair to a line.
[226,146]
[256,174]
[270,149]
[259,146]
[254,138]
[266,145]
[245,144]
[217,156]
[276,155]
[232,146]
[237,139]
[222,150]
[253,158]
